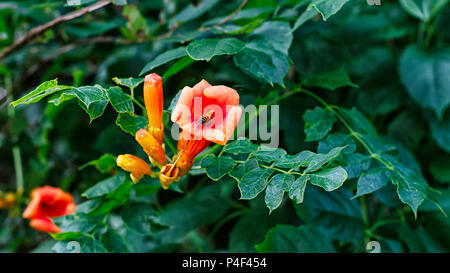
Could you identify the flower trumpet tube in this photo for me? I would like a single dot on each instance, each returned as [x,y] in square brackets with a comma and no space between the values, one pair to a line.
[188,149]
[134,165]
[167,175]
[205,114]
[151,147]
[154,103]
[46,203]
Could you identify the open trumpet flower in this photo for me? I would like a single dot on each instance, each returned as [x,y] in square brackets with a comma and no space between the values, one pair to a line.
[205,114]
[133,164]
[168,174]
[46,203]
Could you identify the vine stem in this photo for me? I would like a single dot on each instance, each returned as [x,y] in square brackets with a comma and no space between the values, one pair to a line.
[34,32]
[335,110]
[225,220]
[19,170]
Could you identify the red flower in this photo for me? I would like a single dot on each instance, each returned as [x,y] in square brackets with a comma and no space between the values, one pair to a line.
[48,202]
[205,114]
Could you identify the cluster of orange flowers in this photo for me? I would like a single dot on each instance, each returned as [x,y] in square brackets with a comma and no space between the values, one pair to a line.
[205,114]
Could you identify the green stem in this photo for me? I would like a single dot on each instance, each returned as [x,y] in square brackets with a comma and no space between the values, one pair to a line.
[138,103]
[335,110]
[172,147]
[18,169]
[225,220]
[364,210]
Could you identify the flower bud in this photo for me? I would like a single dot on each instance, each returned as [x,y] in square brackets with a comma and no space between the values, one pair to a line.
[133,164]
[151,147]
[154,103]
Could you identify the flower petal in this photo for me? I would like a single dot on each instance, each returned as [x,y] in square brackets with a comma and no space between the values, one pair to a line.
[44,224]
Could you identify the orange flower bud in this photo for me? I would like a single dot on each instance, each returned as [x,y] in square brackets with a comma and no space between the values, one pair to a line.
[167,175]
[154,103]
[151,146]
[48,202]
[133,164]
[2,204]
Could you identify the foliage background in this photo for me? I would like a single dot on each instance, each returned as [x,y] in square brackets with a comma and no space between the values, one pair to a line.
[370,84]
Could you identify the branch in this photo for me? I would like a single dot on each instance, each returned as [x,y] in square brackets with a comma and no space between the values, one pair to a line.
[228,18]
[43,28]
[61,51]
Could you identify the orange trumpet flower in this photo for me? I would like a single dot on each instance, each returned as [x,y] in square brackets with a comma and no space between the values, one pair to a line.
[205,114]
[46,203]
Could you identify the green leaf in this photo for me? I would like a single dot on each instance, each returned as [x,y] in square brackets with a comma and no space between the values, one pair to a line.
[44,89]
[86,244]
[359,122]
[318,123]
[330,80]
[301,159]
[411,186]
[297,189]
[327,8]
[440,169]
[198,208]
[131,123]
[75,226]
[239,171]
[254,182]
[114,242]
[269,154]
[265,55]
[423,9]
[121,102]
[240,146]
[330,178]
[136,22]
[440,130]
[425,76]
[304,17]
[178,66]
[103,164]
[278,184]
[318,160]
[91,98]
[250,229]
[164,58]
[130,82]
[338,140]
[206,49]
[192,12]
[290,239]
[71,3]
[373,180]
[334,213]
[217,167]
[142,219]
[106,186]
